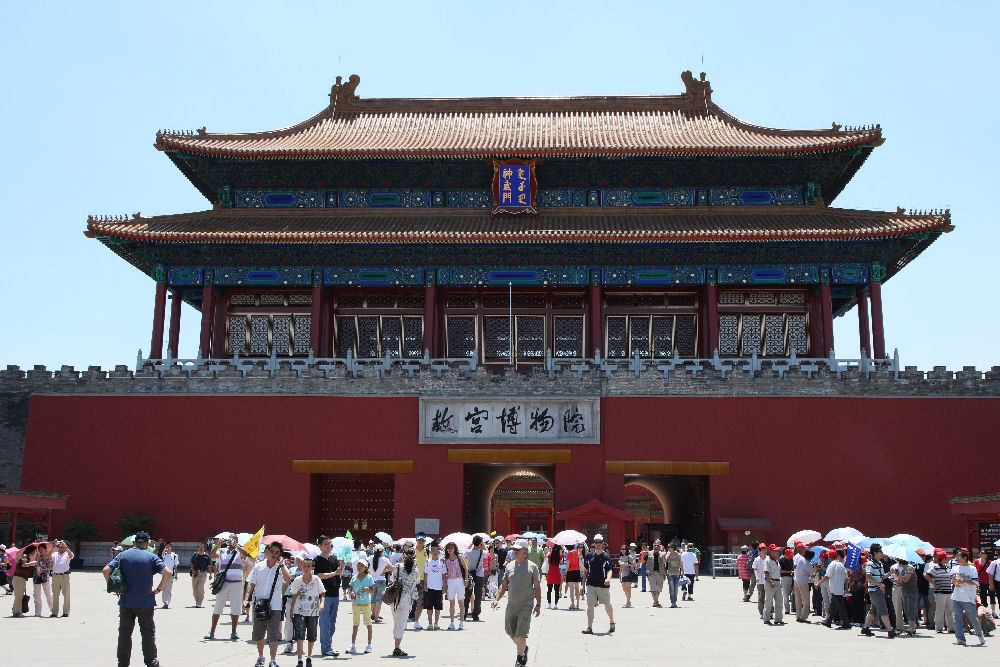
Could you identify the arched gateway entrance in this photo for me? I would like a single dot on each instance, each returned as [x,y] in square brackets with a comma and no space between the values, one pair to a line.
[514,498]
[509,498]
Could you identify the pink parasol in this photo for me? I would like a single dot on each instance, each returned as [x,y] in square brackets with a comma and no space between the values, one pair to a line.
[12,555]
[286,542]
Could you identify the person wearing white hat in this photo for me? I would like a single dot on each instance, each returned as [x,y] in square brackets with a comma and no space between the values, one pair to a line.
[597,572]
[523,580]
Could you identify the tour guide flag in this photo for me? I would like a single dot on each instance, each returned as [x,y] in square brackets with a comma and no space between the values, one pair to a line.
[253,544]
[853,559]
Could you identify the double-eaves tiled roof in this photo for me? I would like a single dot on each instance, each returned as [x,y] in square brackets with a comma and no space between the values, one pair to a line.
[352,127]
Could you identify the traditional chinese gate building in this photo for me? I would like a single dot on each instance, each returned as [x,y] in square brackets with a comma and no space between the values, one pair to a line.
[515,234]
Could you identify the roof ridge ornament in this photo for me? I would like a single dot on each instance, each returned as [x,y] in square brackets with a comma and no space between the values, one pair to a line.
[697,94]
[342,94]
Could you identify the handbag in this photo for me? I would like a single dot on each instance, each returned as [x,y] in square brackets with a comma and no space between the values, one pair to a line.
[24,604]
[40,578]
[392,590]
[262,608]
[116,581]
[220,581]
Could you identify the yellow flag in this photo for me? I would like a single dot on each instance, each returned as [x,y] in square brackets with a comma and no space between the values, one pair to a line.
[253,544]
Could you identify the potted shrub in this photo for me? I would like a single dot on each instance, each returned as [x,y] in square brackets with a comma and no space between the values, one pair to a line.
[74,532]
[133,523]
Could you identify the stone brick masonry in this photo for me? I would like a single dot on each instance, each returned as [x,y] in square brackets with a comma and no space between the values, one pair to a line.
[17,386]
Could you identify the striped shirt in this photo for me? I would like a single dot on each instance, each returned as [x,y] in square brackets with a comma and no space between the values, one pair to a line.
[942,579]
[876,570]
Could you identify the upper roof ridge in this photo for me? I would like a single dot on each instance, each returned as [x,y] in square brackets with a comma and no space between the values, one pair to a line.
[352,126]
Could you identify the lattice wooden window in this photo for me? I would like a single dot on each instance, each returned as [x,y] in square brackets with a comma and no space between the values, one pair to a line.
[530,332]
[651,335]
[258,335]
[567,337]
[461,335]
[764,334]
[373,336]
[529,336]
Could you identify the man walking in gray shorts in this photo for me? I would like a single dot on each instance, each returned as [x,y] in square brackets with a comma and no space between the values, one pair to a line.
[522,579]
[875,573]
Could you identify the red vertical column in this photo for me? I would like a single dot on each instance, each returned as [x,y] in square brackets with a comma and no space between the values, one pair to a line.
[878,333]
[815,324]
[219,326]
[826,308]
[316,318]
[174,334]
[159,308]
[596,318]
[863,332]
[430,313]
[207,314]
[712,319]
[326,333]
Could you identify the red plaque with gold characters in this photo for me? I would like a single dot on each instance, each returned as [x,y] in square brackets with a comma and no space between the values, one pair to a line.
[515,189]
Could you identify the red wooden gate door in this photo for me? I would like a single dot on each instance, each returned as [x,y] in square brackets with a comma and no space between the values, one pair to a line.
[361,504]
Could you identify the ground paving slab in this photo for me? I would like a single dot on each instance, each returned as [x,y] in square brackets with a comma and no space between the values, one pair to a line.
[716,628]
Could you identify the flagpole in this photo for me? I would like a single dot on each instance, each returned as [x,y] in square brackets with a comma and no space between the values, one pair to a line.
[510,319]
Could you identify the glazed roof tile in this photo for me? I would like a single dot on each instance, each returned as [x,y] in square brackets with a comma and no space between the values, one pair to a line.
[553,225]
[351,127]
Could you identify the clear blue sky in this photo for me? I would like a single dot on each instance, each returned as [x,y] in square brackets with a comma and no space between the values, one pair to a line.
[88,84]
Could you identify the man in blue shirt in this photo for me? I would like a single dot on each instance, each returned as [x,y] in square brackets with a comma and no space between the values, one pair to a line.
[137,602]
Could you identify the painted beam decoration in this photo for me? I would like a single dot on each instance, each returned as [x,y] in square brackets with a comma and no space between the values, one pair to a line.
[513,420]
[515,189]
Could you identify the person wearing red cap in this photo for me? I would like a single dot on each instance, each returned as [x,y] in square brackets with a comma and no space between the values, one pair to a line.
[803,572]
[772,587]
[836,578]
[939,574]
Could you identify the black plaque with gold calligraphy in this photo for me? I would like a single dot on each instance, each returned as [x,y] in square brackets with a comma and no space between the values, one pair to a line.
[515,189]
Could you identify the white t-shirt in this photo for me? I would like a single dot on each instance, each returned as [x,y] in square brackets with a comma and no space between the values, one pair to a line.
[689,560]
[965,592]
[378,568]
[309,594]
[171,560]
[436,571]
[262,578]
[993,569]
[838,577]
[760,566]
[803,570]
[60,562]
[395,557]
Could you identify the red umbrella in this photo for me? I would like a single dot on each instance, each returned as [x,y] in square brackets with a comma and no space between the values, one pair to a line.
[513,537]
[550,542]
[285,540]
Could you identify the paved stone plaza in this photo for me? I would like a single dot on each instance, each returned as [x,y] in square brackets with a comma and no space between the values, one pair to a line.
[717,628]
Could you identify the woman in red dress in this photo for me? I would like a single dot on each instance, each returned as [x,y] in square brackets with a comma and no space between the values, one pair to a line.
[554,577]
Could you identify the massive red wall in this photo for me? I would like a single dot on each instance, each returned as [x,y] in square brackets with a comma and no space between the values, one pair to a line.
[882,465]
[202,464]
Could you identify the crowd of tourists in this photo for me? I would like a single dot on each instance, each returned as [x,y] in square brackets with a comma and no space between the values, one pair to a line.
[292,598]
[850,587]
